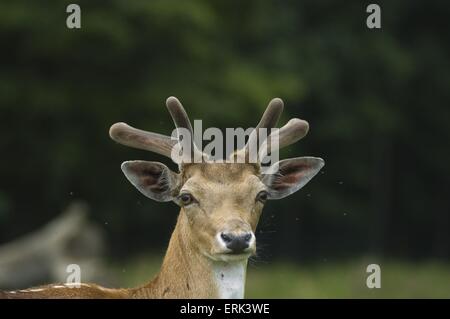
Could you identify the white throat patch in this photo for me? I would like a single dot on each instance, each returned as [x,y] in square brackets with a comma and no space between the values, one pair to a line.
[230,279]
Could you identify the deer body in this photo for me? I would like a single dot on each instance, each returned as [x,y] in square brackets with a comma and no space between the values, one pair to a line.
[221,204]
[185,273]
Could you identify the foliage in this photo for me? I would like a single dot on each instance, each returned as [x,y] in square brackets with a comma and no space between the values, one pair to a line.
[377,102]
[323,279]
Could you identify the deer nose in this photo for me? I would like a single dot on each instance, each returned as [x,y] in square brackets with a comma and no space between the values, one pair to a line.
[237,243]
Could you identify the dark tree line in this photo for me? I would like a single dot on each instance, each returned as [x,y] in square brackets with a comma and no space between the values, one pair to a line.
[377,102]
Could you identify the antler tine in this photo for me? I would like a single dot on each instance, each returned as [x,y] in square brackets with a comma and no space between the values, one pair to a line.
[178,113]
[181,120]
[291,132]
[124,134]
[269,119]
[272,114]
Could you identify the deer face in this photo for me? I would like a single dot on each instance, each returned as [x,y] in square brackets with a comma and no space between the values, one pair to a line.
[220,202]
[223,203]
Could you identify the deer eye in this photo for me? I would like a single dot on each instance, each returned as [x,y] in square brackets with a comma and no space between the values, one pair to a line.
[262,196]
[186,199]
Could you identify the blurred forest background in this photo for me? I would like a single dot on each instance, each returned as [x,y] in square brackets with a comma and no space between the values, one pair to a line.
[377,102]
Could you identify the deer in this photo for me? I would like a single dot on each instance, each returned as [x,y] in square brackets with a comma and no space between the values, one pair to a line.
[220,206]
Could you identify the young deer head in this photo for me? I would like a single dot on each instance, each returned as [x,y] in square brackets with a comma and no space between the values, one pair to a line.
[221,204]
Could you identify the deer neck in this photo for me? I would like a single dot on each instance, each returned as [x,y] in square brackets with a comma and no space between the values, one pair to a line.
[187,273]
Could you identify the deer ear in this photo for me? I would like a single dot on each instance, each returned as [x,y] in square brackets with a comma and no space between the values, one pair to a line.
[153,179]
[290,175]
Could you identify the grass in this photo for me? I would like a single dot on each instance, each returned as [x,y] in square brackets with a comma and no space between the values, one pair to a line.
[325,280]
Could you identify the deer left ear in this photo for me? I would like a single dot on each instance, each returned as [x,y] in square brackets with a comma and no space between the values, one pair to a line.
[290,175]
[154,180]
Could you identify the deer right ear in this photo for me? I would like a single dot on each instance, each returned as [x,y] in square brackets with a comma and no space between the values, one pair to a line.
[291,174]
[154,180]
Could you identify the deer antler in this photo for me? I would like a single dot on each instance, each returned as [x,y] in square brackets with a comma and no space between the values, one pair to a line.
[124,134]
[290,133]
[161,144]
[181,120]
[268,120]
[293,131]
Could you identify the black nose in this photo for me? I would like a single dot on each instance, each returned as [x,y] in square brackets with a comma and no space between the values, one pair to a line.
[237,243]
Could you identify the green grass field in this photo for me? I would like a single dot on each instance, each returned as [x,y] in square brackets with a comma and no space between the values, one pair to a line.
[326,280]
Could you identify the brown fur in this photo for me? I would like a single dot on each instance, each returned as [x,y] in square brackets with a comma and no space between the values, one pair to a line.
[226,195]
[226,201]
